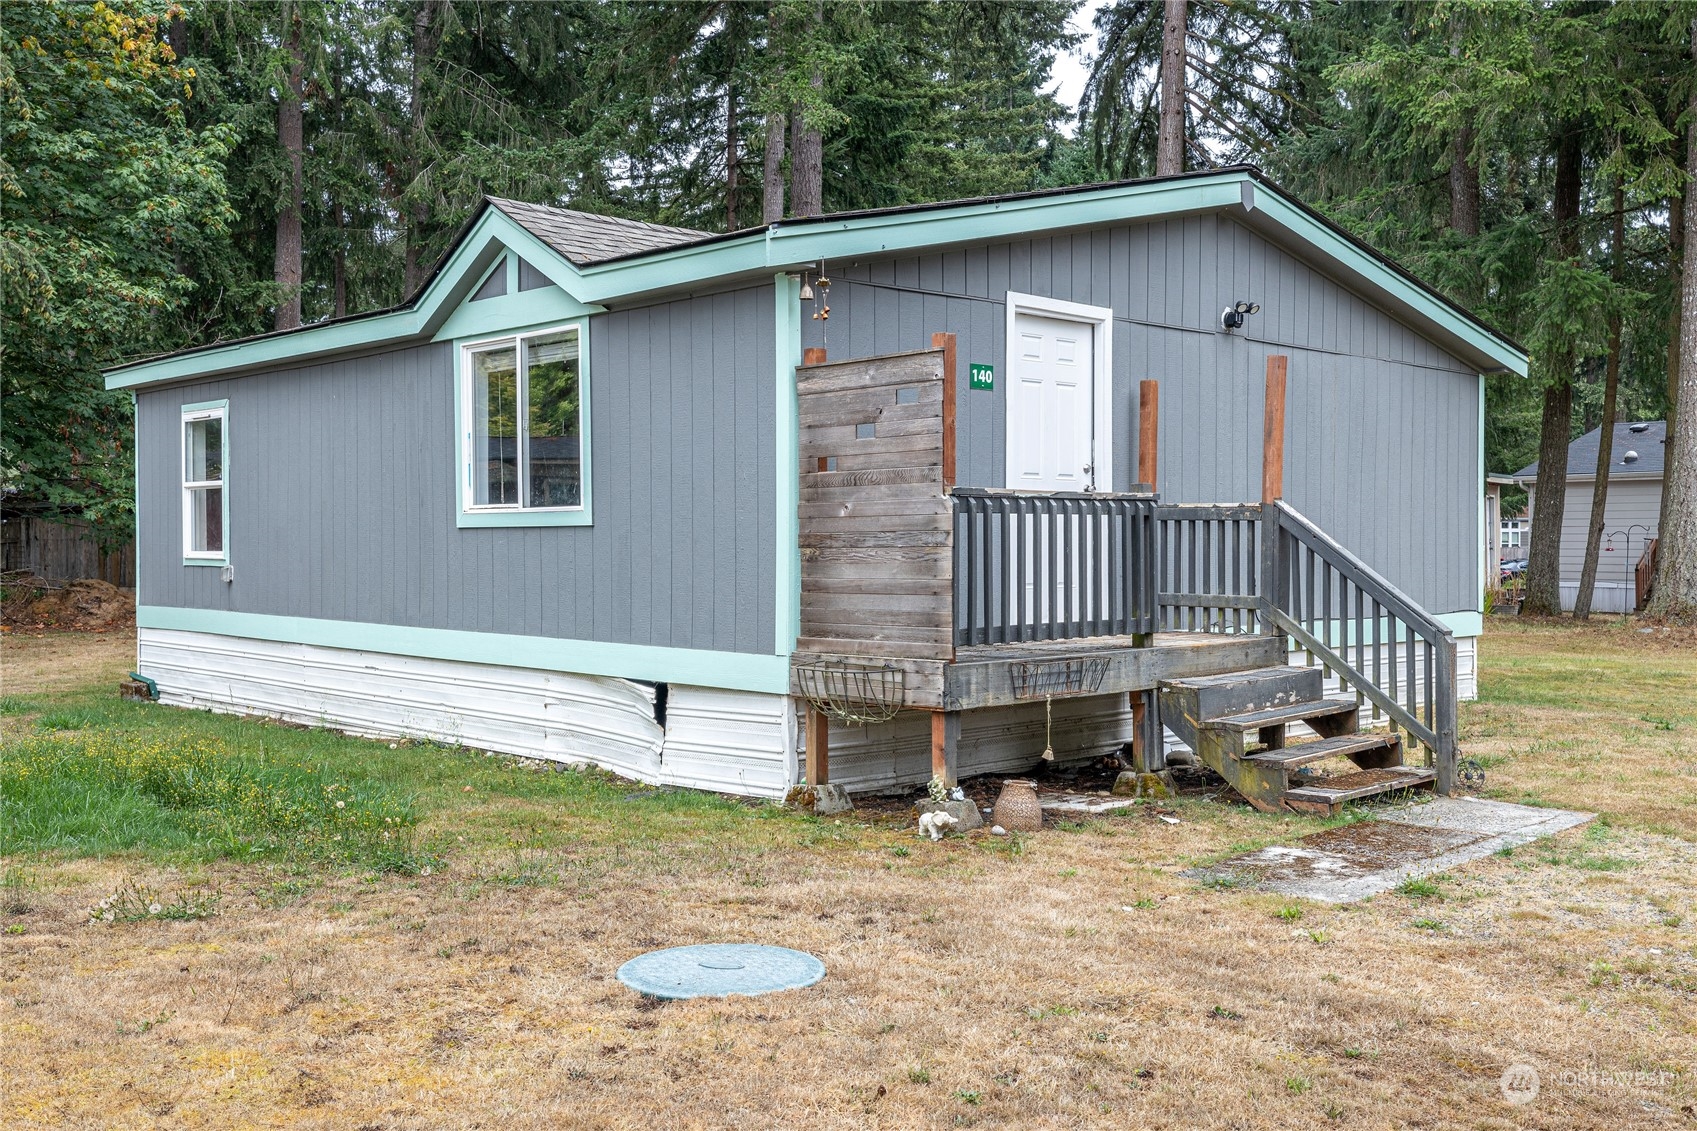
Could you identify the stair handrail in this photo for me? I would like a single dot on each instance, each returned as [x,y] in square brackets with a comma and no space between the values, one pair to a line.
[1440,736]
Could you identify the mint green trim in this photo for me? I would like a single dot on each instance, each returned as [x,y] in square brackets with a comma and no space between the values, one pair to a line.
[785,247]
[786,349]
[493,235]
[509,313]
[1426,305]
[1340,632]
[1487,536]
[223,406]
[512,274]
[1470,623]
[737,671]
[521,516]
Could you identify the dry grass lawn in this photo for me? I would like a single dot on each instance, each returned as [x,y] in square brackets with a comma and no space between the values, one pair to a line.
[1074,979]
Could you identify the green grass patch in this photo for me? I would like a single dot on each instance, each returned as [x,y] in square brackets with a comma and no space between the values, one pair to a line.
[103,791]
[86,773]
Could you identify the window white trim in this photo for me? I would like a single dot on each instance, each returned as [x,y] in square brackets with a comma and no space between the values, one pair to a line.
[190,413]
[1101,376]
[471,514]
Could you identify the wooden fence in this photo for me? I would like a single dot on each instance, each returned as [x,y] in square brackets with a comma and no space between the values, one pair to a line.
[62,551]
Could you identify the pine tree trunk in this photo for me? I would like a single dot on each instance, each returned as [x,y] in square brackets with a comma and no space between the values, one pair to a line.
[1676,549]
[1464,185]
[772,170]
[1676,319]
[1543,563]
[731,158]
[1169,144]
[807,166]
[1606,435]
[425,37]
[339,283]
[286,263]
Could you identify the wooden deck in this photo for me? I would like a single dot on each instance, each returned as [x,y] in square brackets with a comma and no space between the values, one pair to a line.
[984,675]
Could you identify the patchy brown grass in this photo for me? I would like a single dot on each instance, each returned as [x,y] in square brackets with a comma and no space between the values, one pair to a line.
[31,664]
[1601,717]
[1074,979]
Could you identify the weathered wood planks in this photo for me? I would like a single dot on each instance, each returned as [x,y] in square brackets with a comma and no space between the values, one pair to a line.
[876,526]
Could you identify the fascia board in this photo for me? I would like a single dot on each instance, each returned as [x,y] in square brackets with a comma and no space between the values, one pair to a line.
[979,223]
[493,233]
[335,338]
[791,246]
[1428,311]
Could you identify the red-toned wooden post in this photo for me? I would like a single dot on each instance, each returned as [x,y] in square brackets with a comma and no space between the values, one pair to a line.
[818,747]
[1273,431]
[1148,431]
[946,342]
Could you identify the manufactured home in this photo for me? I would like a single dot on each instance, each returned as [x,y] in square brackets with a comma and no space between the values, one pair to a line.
[852,499]
[1632,514]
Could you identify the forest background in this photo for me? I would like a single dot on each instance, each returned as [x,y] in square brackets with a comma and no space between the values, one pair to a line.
[174,174]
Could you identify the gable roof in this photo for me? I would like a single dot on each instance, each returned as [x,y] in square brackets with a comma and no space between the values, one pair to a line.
[1647,438]
[584,238]
[598,260]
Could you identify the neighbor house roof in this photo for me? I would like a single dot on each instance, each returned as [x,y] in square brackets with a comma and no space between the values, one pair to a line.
[1647,440]
[585,237]
[599,261]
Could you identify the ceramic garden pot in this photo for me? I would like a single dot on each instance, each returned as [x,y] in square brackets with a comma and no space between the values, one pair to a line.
[1017,808]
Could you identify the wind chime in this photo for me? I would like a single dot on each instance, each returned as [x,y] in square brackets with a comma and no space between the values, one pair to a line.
[818,292]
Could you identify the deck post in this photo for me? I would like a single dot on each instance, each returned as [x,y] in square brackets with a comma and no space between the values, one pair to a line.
[1273,430]
[1272,487]
[1148,432]
[945,744]
[1444,716]
[945,341]
[818,747]
[1148,745]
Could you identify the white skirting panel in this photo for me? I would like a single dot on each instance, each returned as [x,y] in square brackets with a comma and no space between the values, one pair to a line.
[998,740]
[732,741]
[739,742]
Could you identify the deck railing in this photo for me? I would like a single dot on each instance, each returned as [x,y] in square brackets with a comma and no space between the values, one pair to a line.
[1052,566]
[1222,571]
[1210,565]
[1384,647]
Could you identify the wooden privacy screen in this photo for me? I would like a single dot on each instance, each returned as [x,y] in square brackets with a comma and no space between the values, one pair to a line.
[876,521]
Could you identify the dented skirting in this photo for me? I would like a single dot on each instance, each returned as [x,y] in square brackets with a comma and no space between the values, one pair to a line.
[730,741]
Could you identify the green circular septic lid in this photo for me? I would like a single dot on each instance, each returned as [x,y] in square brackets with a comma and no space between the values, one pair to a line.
[720,970]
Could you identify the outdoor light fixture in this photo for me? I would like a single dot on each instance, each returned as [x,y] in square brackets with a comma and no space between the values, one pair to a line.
[1231,318]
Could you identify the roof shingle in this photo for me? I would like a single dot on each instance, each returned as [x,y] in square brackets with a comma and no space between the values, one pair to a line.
[585,238]
[1650,444]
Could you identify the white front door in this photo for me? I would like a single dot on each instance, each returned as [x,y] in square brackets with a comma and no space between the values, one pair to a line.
[1051,397]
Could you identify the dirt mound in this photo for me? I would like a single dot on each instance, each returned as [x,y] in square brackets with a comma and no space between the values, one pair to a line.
[86,606]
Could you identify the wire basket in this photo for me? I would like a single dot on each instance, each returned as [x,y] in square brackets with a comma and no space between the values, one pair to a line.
[853,694]
[1054,679]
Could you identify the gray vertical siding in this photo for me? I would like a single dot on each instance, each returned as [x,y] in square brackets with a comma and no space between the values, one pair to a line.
[1383,440]
[342,493]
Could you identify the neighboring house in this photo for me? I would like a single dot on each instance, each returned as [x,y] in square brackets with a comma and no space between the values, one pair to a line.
[574,500]
[1630,518]
[1512,533]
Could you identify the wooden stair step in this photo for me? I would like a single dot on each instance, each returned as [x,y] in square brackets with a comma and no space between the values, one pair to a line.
[1277,716]
[1201,698]
[1329,795]
[1306,752]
